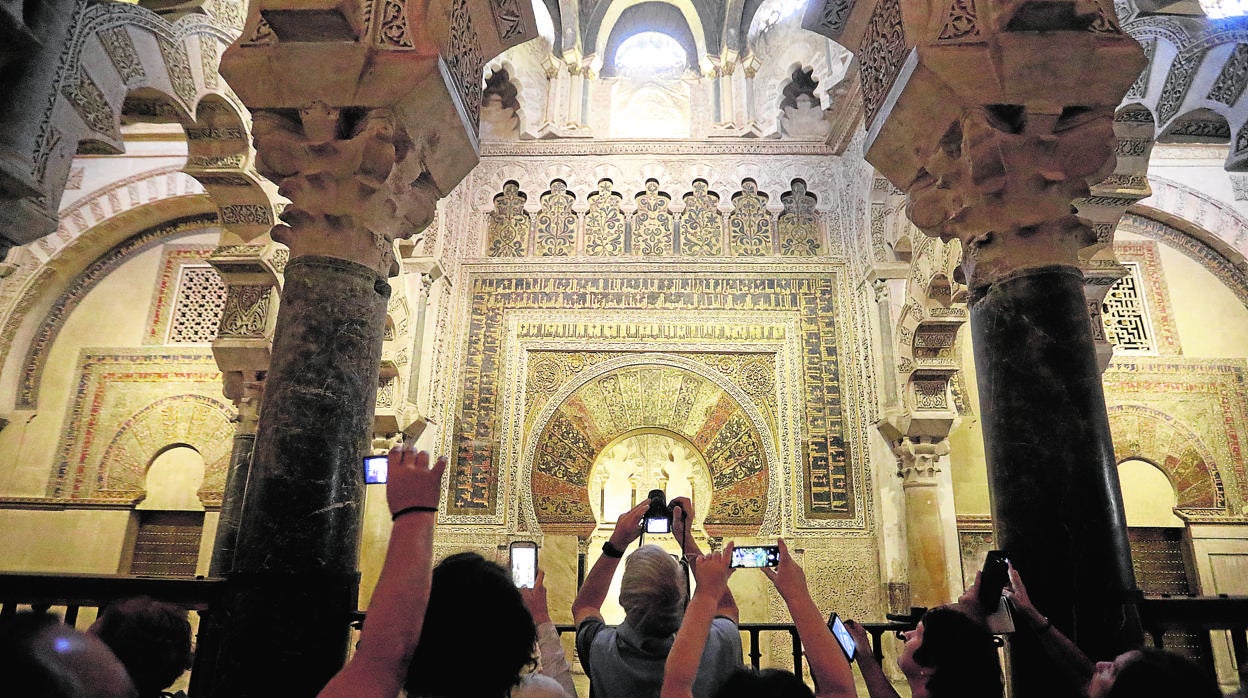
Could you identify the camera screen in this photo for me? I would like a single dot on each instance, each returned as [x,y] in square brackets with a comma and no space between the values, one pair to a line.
[848,646]
[756,556]
[658,526]
[375,470]
[524,566]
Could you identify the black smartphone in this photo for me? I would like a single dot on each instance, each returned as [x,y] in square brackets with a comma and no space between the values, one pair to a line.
[841,633]
[658,516]
[756,556]
[523,554]
[993,579]
[376,468]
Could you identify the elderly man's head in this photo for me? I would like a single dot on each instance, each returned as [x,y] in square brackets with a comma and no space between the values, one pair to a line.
[652,592]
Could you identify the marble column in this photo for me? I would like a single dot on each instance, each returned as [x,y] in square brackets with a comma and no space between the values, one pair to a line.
[993,122]
[362,148]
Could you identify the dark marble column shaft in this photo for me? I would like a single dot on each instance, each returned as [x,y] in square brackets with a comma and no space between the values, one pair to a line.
[294,579]
[232,505]
[1056,503]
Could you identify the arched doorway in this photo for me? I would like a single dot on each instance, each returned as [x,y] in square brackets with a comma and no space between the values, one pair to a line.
[700,420]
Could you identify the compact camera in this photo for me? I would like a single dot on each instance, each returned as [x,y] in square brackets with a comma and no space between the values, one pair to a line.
[659,515]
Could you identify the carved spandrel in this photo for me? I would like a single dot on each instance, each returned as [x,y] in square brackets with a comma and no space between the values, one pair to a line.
[701,225]
[555,225]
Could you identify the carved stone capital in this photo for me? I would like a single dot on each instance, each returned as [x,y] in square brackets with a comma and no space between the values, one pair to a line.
[992,117]
[352,180]
[918,442]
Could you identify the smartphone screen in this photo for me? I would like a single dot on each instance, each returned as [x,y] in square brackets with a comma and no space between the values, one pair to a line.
[756,556]
[848,646]
[524,564]
[375,470]
[993,579]
[658,525]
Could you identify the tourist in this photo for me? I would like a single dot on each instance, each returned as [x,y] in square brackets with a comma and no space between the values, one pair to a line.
[151,638]
[554,663]
[1140,673]
[40,657]
[628,661]
[828,665]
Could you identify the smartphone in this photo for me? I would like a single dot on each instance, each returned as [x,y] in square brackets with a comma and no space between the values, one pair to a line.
[375,470]
[756,556]
[523,554]
[993,579]
[841,633]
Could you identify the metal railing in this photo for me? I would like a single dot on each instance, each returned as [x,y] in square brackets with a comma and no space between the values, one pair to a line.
[73,592]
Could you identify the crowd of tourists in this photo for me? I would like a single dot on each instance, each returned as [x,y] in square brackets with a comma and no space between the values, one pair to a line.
[462,628]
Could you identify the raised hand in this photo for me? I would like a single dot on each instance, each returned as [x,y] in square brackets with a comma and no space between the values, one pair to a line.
[682,519]
[412,483]
[712,571]
[628,526]
[788,576]
[535,599]
[862,639]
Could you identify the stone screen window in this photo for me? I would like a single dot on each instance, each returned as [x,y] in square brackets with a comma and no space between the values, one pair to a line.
[1125,314]
[197,309]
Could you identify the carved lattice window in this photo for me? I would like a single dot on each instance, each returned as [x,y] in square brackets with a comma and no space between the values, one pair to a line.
[1125,314]
[197,310]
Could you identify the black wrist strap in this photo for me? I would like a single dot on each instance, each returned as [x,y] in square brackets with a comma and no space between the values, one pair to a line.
[612,551]
[408,510]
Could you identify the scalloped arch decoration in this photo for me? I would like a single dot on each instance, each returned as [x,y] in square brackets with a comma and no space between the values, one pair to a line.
[640,397]
[1146,434]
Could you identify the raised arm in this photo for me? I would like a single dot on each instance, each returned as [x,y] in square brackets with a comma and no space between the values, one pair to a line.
[711,572]
[878,685]
[397,611]
[554,663]
[682,531]
[1069,658]
[828,666]
[588,602]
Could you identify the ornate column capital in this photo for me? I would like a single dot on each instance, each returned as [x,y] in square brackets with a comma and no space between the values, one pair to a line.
[918,443]
[993,117]
[366,144]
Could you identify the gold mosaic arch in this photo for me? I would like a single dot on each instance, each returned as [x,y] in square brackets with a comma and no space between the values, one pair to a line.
[1142,433]
[636,398]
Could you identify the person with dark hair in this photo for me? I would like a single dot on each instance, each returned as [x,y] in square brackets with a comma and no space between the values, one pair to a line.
[40,657]
[828,666]
[474,604]
[628,661]
[949,654]
[151,638]
[1140,673]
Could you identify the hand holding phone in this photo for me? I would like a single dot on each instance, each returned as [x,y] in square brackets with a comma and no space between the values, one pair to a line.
[993,579]
[843,637]
[756,556]
[523,554]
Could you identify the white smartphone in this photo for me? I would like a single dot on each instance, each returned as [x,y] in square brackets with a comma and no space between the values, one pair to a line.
[523,555]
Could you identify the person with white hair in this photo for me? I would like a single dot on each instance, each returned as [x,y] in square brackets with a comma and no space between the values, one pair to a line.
[628,661]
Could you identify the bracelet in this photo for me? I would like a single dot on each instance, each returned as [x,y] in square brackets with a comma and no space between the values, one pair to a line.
[612,551]
[408,510]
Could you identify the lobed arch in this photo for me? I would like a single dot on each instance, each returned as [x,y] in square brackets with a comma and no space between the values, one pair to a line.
[558,486]
[40,314]
[126,62]
[194,421]
[1143,433]
[1203,217]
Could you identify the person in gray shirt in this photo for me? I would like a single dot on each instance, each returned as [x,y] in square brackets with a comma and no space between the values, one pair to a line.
[627,661]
